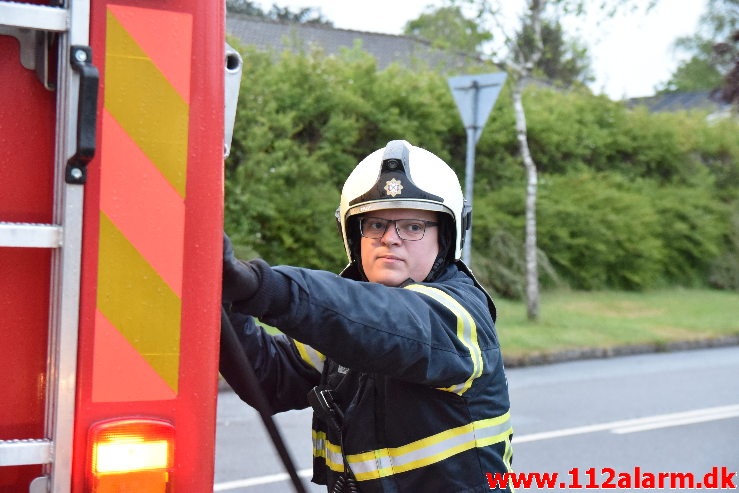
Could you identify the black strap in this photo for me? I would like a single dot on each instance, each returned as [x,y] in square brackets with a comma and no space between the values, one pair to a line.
[245,383]
[321,399]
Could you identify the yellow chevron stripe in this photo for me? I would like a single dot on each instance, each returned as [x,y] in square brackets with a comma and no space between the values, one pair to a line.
[136,92]
[138,302]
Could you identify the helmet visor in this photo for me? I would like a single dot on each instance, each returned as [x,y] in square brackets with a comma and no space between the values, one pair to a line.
[398,204]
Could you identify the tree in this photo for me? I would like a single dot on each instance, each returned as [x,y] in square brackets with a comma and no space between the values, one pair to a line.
[307,15]
[520,65]
[564,59]
[244,7]
[730,90]
[526,52]
[713,50]
[447,28]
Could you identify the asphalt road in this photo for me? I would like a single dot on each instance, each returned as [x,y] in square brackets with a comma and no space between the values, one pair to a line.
[625,418]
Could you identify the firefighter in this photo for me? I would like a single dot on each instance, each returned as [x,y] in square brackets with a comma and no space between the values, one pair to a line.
[398,355]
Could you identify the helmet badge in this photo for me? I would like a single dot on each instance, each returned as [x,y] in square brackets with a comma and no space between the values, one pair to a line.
[393,187]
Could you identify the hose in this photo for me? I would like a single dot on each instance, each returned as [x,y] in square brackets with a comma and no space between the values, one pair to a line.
[244,381]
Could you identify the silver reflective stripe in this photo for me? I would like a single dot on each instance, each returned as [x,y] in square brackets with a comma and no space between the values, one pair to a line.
[310,355]
[384,462]
[331,453]
[466,333]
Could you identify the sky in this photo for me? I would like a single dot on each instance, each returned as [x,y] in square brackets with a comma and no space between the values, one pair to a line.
[631,53]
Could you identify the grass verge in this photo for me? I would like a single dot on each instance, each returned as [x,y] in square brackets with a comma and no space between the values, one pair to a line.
[606,319]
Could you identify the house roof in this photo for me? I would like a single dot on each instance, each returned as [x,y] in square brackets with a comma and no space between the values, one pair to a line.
[386,48]
[679,101]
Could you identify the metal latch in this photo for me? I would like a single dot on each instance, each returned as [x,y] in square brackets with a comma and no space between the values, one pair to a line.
[36,27]
[234,66]
[36,48]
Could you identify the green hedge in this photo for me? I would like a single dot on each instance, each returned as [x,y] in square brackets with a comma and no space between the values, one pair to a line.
[627,199]
[303,123]
[600,230]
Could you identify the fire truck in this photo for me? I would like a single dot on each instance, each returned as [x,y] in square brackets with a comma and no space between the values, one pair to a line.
[112,126]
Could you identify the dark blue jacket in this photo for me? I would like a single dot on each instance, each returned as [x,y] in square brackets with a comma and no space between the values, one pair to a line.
[417,372]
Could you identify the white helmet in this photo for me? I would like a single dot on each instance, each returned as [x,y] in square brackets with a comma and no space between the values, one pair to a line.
[402,176]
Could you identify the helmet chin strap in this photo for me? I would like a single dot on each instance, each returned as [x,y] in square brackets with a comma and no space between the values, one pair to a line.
[436,268]
[445,241]
[360,270]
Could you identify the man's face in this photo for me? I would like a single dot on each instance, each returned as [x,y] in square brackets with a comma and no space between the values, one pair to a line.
[390,260]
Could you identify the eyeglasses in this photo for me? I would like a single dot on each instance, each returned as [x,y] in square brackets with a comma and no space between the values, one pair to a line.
[407,229]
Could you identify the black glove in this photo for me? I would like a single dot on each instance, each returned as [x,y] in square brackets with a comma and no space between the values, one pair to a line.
[240,279]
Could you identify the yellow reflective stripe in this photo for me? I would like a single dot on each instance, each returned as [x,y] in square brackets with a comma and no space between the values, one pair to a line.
[436,448]
[385,462]
[466,332]
[507,460]
[310,355]
[330,453]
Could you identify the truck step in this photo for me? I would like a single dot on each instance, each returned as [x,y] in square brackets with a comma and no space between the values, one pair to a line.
[24,452]
[29,16]
[30,235]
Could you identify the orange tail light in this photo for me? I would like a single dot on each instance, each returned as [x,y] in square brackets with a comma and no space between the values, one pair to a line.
[131,455]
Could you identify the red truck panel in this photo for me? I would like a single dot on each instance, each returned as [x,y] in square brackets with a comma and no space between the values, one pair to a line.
[149,309]
[27,114]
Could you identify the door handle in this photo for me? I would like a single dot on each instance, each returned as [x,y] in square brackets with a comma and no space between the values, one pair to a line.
[87,102]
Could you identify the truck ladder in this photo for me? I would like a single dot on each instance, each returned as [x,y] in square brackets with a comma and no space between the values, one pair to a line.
[31,25]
